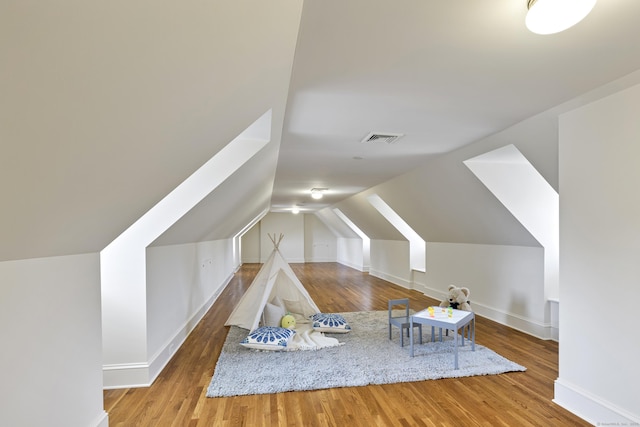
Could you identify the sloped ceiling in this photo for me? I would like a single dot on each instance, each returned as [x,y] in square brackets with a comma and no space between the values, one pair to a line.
[444,73]
[108,106]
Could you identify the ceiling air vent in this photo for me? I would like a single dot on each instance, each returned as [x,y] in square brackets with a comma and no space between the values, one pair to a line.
[378,137]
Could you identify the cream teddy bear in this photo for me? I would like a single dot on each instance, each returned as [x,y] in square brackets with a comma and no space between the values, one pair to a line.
[457,298]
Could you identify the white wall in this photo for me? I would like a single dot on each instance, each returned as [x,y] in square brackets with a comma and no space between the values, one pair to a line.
[51,357]
[250,248]
[319,241]
[123,261]
[306,239]
[599,253]
[292,227]
[183,281]
[350,253]
[506,282]
[390,261]
[531,199]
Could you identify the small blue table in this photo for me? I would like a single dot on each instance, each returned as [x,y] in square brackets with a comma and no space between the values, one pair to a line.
[458,320]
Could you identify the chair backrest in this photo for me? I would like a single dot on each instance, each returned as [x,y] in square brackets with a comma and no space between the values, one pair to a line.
[396,302]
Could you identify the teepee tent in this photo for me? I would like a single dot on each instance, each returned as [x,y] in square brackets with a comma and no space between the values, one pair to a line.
[274,288]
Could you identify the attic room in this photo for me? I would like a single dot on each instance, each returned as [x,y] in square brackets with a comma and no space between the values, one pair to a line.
[148,148]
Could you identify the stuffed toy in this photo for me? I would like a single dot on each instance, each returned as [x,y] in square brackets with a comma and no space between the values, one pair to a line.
[288,321]
[457,298]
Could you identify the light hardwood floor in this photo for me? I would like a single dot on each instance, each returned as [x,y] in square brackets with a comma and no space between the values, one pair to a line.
[177,397]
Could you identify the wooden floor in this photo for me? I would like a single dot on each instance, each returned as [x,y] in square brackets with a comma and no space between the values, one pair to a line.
[177,397]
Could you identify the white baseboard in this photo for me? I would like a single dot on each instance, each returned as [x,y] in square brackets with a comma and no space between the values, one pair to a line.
[144,374]
[589,407]
[125,375]
[419,286]
[102,420]
[361,268]
[166,352]
[390,278]
[320,260]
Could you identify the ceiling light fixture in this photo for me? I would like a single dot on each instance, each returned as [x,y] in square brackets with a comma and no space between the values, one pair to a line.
[553,16]
[295,210]
[317,193]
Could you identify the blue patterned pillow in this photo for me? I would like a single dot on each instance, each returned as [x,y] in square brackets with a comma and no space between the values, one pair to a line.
[332,323]
[268,338]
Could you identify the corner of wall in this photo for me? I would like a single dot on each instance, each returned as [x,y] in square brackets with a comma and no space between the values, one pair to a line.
[590,407]
[102,420]
[144,374]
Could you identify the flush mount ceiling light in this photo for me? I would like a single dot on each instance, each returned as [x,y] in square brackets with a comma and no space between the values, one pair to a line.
[553,16]
[317,193]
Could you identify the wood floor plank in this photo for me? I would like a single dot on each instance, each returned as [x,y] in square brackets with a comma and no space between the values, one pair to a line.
[177,397]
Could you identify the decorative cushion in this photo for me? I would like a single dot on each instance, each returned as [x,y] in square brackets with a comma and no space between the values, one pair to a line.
[272,314]
[332,323]
[268,338]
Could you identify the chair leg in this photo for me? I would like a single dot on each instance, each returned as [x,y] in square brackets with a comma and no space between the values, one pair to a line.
[401,338]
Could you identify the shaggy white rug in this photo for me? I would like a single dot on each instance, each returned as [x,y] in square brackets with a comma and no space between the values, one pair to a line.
[367,357]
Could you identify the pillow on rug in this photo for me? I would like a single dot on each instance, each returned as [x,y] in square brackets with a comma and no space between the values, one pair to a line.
[331,323]
[273,314]
[268,338]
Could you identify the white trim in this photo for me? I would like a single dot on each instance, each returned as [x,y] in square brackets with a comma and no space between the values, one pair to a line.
[102,420]
[590,407]
[125,375]
[420,287]
[133,375]
[319,260]
[159,360]
[360,268]
[515,321]
[389,278]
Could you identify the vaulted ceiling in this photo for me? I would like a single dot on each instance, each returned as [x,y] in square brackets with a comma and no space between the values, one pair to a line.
[444,73]
[106,107]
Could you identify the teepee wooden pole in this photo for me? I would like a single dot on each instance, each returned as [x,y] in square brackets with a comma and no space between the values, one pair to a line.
[276,244]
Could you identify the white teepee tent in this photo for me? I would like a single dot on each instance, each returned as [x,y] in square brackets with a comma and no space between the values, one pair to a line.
[275,285]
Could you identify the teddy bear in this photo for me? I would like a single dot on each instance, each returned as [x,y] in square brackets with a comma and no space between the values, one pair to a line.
[457,298]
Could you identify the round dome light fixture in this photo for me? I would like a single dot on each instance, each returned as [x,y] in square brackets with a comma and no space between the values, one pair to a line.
[317,193]
[553,16]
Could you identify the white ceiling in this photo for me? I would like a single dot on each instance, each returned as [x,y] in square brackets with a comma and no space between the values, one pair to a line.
[105,107]
[444,73]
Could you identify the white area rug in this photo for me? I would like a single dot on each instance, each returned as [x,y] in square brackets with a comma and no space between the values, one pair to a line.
[367,357]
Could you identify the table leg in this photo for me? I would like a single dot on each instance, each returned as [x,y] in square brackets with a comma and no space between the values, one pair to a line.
[411,335]
[473,334]
[455,346]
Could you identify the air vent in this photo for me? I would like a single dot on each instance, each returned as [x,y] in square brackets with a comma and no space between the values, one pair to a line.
[378,137]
